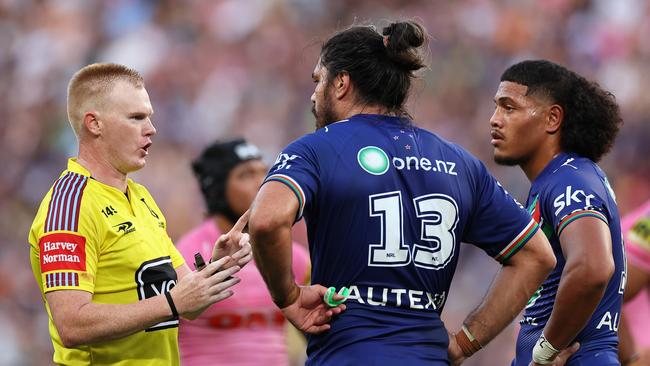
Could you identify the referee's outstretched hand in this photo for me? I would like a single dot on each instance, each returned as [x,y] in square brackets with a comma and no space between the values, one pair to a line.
[234,244]
[309,313]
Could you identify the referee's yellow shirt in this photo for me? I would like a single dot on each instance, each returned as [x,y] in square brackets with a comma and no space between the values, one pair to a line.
[91,237]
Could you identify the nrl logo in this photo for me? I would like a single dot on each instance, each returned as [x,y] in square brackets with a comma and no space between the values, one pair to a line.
[126,227]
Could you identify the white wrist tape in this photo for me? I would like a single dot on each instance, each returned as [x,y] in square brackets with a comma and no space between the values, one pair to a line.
[544,352]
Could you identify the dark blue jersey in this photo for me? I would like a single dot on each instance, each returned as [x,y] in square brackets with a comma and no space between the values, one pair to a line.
[569,188]
[386,206]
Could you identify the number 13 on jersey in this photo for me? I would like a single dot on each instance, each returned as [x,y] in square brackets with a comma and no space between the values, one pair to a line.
[438,214]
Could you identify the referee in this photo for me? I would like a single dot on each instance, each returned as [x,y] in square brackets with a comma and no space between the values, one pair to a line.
[112,281]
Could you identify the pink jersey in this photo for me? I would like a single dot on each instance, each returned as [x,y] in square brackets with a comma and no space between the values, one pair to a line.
[637,244]
[245,329]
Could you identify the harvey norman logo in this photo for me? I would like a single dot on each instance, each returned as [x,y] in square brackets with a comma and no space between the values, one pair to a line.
[60,251]
[376,162]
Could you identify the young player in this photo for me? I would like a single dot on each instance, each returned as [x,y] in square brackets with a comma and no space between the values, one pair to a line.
[556,125]
[229,174]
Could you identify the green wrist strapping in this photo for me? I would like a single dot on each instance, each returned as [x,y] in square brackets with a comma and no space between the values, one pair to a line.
[328,297]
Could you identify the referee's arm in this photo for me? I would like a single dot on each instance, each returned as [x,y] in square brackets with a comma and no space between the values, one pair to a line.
[80,321]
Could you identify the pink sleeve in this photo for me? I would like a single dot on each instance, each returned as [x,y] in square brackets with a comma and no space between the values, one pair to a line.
[636,230]
[301,264]
[639,255]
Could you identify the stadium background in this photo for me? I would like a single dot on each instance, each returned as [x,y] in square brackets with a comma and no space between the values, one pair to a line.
[218,69]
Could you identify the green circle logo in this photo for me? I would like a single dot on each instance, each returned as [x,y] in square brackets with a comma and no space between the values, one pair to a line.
[373,160]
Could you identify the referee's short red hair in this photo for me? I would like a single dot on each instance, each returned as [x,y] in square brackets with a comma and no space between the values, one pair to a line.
[91,84]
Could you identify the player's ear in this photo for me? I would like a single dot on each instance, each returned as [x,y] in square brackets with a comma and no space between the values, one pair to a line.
[342,84]
[92,123]
[554,119]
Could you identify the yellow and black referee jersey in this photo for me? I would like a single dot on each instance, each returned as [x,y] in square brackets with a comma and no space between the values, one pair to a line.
[92,237]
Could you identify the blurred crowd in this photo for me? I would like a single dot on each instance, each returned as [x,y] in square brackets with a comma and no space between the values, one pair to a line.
[225,68]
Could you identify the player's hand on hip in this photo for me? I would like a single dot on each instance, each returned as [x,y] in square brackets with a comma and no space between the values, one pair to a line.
[309,312]
[234,244]
[563,356]
[200,289]
[456,356]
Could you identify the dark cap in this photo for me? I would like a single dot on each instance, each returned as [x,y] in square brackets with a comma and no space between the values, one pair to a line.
[213,166]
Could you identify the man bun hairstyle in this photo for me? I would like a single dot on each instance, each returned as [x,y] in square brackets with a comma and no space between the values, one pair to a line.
[592,117]
[402,39]
[380,67]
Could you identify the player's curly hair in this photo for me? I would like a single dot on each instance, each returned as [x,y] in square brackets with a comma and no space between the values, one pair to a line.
[381,67]
[591,115]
